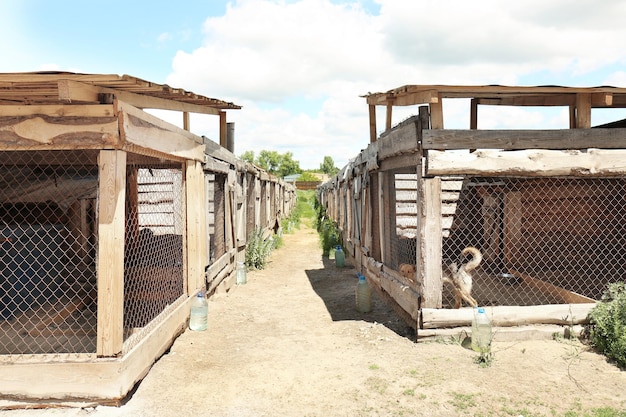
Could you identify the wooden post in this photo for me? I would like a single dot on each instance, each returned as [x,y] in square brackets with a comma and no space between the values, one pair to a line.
[429,266]
[112,196]
[223,130]
[186,124]
[436,114]
[474,114]
[583,110]
[372,113]
[383,237]
[389,114]
[196,227]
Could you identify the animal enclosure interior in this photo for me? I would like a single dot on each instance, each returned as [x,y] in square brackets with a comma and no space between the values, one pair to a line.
[543,240]
[49,217]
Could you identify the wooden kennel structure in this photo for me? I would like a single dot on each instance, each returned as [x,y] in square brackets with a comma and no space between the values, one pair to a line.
[111,220]
[419,185]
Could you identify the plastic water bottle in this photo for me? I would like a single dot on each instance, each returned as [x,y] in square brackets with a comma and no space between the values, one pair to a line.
[363,295]
[340,257]
[198,319]
[241,273]
[481,331]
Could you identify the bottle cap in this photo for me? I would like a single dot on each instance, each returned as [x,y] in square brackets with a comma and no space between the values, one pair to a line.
[338,247]
[481,310]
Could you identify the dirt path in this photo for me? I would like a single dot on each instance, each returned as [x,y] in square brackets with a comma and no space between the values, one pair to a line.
[291,343]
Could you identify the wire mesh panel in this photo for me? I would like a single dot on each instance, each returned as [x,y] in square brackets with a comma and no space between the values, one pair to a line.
[47,259]
[153,261]
[543,241]
[375,250]
[216,216]
[251,201]
[401,224]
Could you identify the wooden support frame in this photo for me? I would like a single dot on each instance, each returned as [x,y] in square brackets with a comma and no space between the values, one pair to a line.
[111,229]
[372,115]
[196,226]
[429,215]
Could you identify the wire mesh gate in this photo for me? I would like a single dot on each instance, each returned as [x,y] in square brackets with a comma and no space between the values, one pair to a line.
[154,263]
[48,237]
[543,240]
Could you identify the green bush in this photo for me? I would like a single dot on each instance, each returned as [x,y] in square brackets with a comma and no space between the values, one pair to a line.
[258,249]
[608,324]
[327,229]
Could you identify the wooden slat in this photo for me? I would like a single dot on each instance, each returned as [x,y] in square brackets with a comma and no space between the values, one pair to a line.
[525,139]
[566,296]
[149,132]
[533,163]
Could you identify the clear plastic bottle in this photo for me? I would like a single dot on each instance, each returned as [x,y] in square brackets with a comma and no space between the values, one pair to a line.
[241,273]
[481,331]
[363,295]
[198,319]
[340,257]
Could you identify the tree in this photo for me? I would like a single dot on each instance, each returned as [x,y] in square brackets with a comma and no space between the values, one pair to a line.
[248,156]
[273,162]
[328,166]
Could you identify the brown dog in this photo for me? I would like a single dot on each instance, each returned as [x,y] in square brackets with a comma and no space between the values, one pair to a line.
[459,277]
[408,271]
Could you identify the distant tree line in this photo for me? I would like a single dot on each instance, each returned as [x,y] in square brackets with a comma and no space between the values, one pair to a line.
[282,165]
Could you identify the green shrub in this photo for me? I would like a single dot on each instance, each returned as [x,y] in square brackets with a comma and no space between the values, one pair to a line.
[608,324]
[327,229]
[258,249]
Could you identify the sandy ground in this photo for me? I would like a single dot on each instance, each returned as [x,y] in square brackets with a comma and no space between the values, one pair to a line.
[291,343]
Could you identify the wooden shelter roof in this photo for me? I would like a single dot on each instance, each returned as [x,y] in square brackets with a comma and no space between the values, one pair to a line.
[550,95]
[39,88]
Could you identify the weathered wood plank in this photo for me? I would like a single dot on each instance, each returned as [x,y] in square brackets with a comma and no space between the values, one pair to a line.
[531,163]
[524,139]
[565,295]
[150,132]
[562,314]
[111,229]
[59,132]
[430,224]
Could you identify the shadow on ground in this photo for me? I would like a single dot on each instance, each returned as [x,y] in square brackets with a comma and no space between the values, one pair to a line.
[337,286]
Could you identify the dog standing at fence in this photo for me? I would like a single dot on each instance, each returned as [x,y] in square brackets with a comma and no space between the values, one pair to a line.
[459,277]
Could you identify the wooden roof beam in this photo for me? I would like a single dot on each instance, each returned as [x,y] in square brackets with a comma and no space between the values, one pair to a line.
[72,91]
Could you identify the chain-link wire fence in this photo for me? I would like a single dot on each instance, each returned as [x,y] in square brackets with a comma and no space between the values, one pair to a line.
[542,240]
[48,233]
[48,249]
[216,215]
[153,259]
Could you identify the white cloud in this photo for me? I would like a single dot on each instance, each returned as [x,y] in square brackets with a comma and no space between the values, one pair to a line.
[263,53]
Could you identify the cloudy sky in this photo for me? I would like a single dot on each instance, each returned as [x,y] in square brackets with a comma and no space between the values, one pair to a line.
[299,67]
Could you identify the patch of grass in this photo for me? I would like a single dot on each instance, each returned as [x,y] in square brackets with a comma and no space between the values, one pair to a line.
[484,359]
[463,401]
[374,367]
[410,392]
[376,384]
